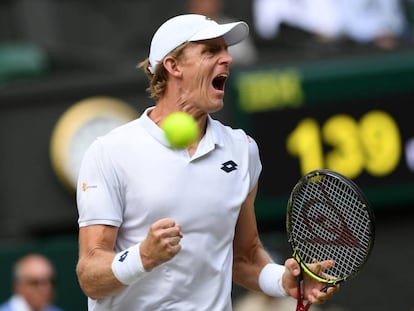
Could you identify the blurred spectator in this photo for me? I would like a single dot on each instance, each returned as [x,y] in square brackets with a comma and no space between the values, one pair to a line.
[243,53]
[253,301]
[320,17]
[382,22]
[33,278]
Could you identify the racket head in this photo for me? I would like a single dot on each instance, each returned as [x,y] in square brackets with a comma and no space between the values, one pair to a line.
[329,218]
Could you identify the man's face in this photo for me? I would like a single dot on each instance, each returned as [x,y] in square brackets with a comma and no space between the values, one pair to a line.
[205,67]
[35,284]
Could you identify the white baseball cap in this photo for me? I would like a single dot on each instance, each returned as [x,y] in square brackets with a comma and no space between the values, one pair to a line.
[192,27]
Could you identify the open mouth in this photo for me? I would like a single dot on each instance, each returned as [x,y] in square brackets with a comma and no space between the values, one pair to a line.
[219,81]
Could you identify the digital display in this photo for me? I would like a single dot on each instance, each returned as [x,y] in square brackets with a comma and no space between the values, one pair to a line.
[304,120]
[371,145]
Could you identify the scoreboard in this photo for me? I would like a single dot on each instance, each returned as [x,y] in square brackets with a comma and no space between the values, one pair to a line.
[350,115]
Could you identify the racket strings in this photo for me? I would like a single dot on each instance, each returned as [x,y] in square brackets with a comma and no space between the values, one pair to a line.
[336,226]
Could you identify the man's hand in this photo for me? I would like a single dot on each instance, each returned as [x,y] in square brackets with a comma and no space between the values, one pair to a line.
[312,288]
[161,244]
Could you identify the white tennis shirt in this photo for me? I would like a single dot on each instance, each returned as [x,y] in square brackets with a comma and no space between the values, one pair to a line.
[131,178]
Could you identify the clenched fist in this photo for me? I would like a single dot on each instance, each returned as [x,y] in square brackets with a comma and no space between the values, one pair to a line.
[161,244]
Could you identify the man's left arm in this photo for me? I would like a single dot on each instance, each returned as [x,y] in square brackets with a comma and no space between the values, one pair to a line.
[249,256]
[253,268]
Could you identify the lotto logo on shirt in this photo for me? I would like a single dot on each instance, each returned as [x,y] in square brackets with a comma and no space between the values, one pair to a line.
[229,166]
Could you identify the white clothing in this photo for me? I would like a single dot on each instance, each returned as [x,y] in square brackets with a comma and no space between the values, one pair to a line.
[360,20]
[365,20]
[132,179]
[19,303]
[316,16]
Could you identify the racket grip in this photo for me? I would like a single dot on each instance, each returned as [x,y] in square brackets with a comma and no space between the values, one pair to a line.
[300,299]
[303,307]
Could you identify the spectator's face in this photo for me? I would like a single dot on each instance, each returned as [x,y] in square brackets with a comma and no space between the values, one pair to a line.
[35,283]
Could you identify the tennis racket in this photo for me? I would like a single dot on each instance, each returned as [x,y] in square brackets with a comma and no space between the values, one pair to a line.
[329,218]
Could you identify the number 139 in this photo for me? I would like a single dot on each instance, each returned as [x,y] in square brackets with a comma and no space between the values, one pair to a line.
[373,144]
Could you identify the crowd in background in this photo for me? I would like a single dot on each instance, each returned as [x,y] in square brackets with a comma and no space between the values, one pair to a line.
[110,35]
[381,22]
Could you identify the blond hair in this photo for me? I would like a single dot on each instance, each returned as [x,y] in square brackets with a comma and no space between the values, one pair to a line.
[158,79]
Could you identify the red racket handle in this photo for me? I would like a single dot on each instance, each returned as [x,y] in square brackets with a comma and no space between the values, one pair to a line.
[299,305]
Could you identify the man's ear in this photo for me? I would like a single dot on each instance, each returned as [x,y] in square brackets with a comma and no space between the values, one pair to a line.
[171,65]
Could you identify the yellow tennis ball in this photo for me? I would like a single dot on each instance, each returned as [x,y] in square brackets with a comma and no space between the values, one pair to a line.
[180,129]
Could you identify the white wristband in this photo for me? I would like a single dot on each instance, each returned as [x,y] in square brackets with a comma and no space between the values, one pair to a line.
[127,266]
[270,280]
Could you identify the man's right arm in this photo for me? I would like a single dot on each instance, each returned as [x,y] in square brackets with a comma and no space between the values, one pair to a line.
[96,255]
[94,269]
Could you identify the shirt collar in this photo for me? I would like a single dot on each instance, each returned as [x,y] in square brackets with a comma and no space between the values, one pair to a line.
[152,128]
[211,138]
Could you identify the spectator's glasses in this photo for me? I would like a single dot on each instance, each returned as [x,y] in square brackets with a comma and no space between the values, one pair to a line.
[37,282]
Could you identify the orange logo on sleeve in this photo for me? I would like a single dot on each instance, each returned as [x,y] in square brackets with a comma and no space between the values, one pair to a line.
[86,186]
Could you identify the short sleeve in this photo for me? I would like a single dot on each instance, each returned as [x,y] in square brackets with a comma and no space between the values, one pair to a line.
[255,164]
[98,190]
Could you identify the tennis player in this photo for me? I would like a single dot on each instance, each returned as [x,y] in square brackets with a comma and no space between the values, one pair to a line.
[168,229]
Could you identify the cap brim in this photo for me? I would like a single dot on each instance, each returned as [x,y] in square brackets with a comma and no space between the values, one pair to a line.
[232,33]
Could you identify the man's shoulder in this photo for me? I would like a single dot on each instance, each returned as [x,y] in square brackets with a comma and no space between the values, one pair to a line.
[227,129]
[236,135]
[120,134]
[124,129]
